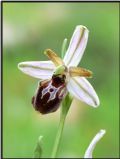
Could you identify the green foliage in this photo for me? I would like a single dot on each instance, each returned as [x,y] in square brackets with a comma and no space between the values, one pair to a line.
[38,149]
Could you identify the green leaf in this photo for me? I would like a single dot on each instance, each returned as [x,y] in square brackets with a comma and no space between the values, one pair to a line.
[38,149]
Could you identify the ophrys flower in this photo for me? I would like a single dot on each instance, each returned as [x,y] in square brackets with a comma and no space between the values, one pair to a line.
[62,76]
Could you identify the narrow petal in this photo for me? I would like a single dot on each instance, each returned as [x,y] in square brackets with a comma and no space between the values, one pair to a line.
[89,151]
[77,46]
[54,57]
[83,90]
[37,69]
[79,71]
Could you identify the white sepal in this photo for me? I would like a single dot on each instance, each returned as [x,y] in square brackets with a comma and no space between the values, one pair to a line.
[37,69]
[89,151]
[77,46]
[83,90]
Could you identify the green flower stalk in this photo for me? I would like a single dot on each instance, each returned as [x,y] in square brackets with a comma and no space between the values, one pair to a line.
[64,110]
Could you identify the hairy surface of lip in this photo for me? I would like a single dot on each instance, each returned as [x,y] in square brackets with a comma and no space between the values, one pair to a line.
[50,94]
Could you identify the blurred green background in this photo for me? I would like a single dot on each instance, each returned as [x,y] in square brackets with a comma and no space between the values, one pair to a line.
[30,28]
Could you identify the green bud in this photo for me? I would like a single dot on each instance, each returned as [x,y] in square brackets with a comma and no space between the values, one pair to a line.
[38,148]
[59,70]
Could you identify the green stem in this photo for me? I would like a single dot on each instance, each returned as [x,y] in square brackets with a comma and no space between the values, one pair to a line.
[64,45]
[58,136]
[64,110]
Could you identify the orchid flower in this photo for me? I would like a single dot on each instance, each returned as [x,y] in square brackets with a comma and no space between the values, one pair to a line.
[89,151]
[76,83]
[61,78]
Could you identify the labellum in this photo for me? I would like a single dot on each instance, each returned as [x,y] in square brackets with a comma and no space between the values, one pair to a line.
[49,94]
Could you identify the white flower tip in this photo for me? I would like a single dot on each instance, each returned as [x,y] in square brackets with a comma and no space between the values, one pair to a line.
[102,132]
[77,46]
[83,30]
[22,67]
[96,102]
[99,135]
[82,27]
[89,151]
[19,65]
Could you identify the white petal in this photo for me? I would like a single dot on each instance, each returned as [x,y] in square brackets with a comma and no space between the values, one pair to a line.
[83,90]
[37,69]
[77,46]
[89,151]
